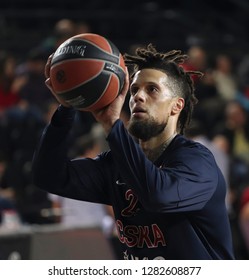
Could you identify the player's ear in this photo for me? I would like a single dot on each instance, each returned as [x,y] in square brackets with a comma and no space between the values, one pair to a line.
[178,105]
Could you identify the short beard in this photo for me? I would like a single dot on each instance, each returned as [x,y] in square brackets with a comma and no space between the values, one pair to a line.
[145,130]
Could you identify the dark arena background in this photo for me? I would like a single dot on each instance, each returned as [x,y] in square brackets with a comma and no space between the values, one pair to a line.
[169,24]
[215,35]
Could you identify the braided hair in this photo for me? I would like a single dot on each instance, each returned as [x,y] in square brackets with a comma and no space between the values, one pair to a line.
[180,81]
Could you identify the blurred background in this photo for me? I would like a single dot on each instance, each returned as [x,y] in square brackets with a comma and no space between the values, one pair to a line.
[215,35]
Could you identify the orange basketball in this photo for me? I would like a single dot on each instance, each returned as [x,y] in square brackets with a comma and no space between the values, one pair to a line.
[87,71]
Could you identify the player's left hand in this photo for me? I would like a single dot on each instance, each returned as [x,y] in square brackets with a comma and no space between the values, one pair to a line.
[49,84]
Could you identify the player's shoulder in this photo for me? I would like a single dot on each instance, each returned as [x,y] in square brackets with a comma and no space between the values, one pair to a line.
[185,142]
[183,145]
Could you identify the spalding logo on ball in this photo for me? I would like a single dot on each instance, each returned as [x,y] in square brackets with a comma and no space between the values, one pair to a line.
[87,71]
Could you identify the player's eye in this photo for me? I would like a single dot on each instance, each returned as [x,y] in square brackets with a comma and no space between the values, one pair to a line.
[133,90]
[152,89]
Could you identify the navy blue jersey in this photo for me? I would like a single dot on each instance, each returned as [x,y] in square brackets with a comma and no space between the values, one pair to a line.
[171,209]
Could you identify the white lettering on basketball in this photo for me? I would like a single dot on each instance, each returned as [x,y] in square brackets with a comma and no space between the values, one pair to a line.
[79,50]
[111,67]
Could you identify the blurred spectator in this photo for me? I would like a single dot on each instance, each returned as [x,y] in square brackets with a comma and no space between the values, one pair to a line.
[210,105]
[21,125]
[22,128]
[206,90]
[63,30]
[8,97]
[6,206]
[243,72]
[243,81]
[234,136]
[83,27]
[224,78]
[198,60]
[29,80]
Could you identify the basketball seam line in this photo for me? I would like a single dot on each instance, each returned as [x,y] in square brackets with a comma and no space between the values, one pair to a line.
[90,59]
[93,77]
[102,93]
[81,84]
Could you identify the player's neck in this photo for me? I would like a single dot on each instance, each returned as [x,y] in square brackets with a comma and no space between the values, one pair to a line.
[154,147]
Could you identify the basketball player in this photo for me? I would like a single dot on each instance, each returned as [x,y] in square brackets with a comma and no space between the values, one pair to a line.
[167,192]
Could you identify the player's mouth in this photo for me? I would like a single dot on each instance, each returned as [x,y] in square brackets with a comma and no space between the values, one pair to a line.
[138,111]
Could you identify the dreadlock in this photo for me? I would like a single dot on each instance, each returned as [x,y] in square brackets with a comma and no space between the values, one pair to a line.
[170,62]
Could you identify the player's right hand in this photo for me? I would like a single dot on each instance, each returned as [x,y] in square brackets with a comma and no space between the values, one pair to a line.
[108,115]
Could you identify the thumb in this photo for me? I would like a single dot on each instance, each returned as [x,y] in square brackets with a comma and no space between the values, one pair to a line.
[49,85]
[126,83]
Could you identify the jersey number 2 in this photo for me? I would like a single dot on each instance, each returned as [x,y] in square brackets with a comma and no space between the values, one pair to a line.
[130,209]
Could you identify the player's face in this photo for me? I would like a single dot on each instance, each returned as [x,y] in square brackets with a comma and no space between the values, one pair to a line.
[151,103]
